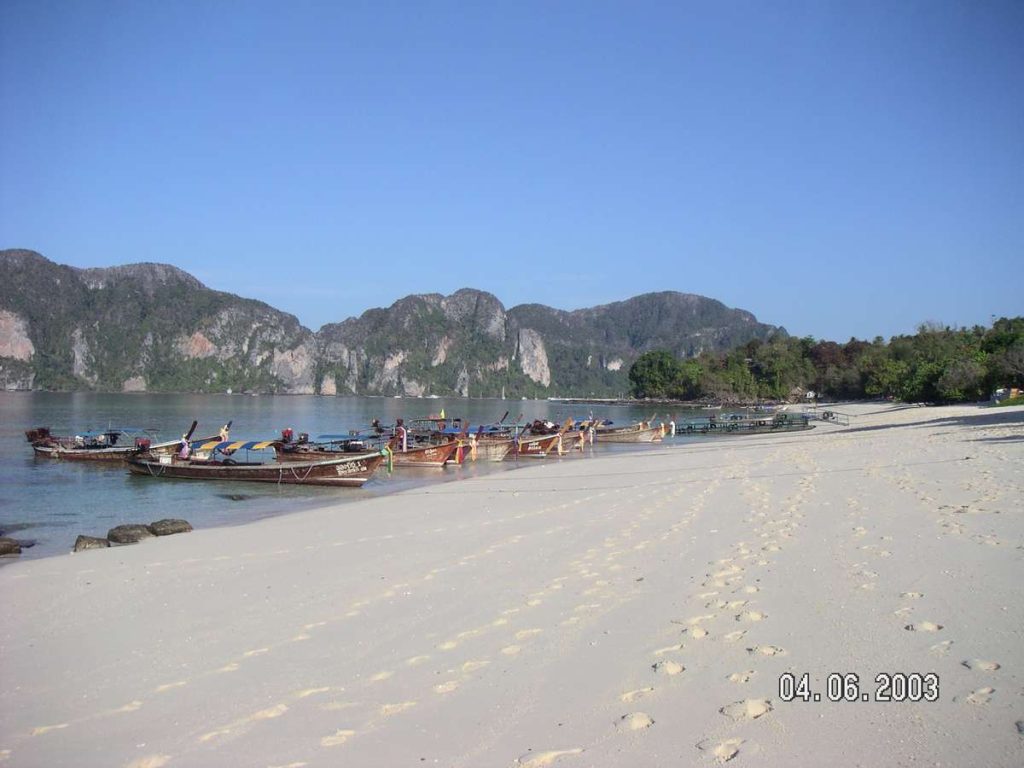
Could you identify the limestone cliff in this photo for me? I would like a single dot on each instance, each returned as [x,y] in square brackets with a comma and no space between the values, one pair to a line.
[153,327]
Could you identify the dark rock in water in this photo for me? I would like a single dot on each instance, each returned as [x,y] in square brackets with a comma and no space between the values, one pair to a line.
[90,542]
[9,547]
[234,496]
[169,526]
[26,543]
[129,534]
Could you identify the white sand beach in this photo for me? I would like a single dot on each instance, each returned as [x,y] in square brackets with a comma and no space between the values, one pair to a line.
[626,610]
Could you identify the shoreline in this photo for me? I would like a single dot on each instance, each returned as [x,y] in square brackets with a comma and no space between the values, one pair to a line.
[632,608]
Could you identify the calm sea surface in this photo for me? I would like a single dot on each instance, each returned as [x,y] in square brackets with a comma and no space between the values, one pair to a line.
[51,502]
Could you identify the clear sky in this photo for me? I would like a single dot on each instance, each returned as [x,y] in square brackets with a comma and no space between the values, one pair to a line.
[842,169]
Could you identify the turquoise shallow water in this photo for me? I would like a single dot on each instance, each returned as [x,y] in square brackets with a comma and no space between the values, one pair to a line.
[51,502]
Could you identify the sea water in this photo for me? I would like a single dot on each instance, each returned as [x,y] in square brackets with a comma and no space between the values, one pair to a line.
[50,502]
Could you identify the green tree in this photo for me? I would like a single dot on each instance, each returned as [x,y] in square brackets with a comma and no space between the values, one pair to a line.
[654,374]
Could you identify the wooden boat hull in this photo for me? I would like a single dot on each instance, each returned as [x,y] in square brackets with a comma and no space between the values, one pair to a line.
[629,435]
[429,455]
[420,456]
[489,450]
[345,471]
[56,450]
[534,446]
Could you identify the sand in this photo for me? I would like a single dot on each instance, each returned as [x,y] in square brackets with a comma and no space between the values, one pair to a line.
[608,611]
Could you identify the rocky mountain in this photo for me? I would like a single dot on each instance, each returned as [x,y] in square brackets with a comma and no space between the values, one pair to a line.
[141,327]
[154,327]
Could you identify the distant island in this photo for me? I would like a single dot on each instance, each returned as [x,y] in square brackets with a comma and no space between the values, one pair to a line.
[155,328]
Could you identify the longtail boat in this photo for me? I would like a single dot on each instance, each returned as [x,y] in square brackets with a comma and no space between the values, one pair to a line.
[642,432]
[534,446]
[347,470]
[484,448]
[481,443]
[531,444]
[743,424]
[430,455]
[332,446]
[114,444]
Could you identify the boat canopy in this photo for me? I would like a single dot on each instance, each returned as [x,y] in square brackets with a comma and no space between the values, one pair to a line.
[486,430]
[235,445]
[111,431]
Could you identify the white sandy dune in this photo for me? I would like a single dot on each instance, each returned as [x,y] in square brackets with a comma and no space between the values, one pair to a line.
[610,611]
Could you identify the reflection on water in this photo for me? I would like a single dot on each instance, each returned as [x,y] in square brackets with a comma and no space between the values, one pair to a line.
[51,502]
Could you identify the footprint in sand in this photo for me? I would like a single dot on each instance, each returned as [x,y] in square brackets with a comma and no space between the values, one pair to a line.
[473,666]
[912,595]
[696,632]
[669,649]
[448,687]
[339,737]
[169,686]
[511,650]
[147,761]
[270,713]
[923,626]
[217,733]
[766,650]
[541,759]
[635,721]
[523,634]
[668,667]
[981,665]
[941,649]
[639,693]
[748,709]
[980,696]
[721,751]
[732,637]
[306,693]
[751,616]
[47,728]
[741,677]
[393,709]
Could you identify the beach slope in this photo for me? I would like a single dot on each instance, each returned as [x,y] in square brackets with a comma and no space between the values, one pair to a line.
[627,610]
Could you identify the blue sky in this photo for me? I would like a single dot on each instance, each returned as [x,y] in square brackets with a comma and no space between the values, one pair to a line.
[842,169]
